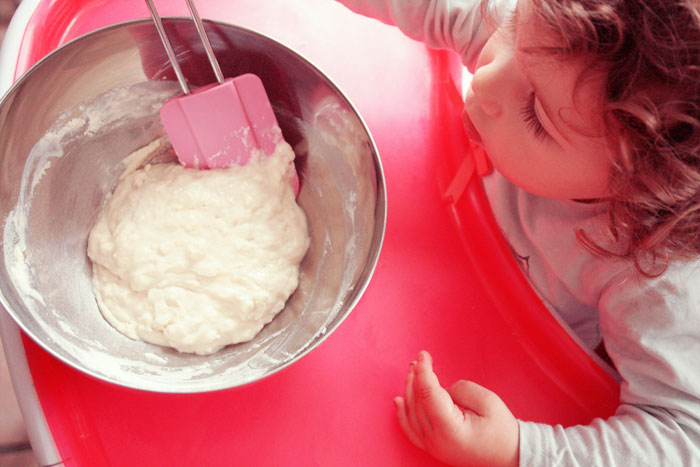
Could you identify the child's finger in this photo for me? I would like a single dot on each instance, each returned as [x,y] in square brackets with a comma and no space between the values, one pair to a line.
[436,406]
[419,393]
[473,397]
[402,415]
[410,402]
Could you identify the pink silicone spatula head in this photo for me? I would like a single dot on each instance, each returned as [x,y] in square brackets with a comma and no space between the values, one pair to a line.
[221,124]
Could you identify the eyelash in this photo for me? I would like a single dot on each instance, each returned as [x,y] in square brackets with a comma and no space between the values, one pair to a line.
[529,116]
[509,23]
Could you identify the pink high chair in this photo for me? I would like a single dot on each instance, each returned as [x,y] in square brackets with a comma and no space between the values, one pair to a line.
[445,281]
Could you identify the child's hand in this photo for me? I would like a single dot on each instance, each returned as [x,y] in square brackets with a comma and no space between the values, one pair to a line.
[463,425]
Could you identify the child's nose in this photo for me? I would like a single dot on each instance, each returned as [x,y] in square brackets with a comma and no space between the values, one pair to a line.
[486,88]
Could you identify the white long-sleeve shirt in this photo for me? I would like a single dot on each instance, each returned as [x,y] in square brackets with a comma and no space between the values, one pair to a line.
[651,327]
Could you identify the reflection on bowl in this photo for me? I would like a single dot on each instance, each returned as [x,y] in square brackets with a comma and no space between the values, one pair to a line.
[65,128]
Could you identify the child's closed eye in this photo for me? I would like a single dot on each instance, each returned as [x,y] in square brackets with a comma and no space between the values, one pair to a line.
[531,119]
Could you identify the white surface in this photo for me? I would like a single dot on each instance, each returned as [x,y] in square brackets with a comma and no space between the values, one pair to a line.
[12,431]
[12,42]
[35,422]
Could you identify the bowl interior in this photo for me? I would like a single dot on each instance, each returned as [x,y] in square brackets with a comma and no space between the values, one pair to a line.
[65,128]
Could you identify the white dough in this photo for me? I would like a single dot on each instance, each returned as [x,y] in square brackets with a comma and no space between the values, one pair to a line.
[198,259]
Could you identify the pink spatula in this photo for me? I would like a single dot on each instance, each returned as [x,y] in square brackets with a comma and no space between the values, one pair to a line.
[221,124]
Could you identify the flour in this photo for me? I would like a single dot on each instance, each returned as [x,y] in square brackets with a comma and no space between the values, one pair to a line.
[198,259]
[104,112]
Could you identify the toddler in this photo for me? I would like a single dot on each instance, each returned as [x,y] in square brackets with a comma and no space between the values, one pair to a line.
[590,113]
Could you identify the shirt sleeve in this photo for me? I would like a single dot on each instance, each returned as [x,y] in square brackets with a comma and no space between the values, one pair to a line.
[651,330]
[460,25]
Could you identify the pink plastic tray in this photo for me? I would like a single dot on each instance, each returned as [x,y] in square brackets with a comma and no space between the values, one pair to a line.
[445,281]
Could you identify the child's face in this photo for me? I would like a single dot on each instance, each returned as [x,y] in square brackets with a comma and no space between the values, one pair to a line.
[542,128]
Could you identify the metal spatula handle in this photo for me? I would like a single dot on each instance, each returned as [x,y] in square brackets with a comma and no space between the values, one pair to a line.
[205,40]
[168,47]
[171,52]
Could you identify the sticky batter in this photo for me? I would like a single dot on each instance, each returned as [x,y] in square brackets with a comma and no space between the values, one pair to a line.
[198,259]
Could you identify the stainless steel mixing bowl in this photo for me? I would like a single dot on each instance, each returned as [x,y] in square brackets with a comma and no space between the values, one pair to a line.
[65,128]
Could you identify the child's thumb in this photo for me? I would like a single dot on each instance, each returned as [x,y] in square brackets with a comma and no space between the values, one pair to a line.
[473,397]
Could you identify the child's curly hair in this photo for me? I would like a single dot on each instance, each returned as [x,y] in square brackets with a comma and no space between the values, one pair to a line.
[649,54]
